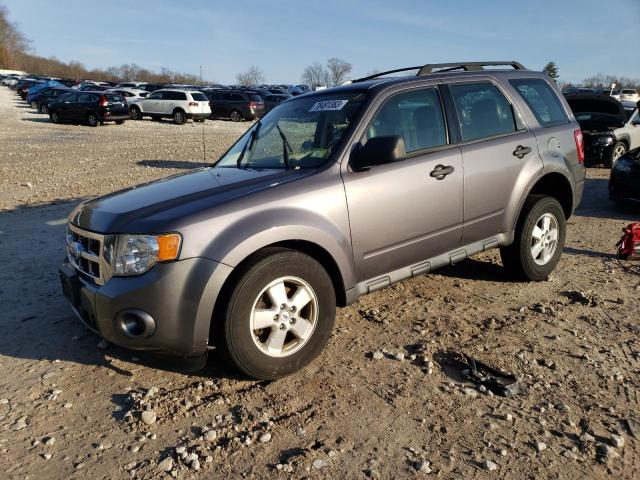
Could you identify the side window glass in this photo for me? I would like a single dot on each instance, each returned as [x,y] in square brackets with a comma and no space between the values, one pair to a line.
[155,96]
[542,101]
[71,98]
[416,116]
[483,111]
[85,98]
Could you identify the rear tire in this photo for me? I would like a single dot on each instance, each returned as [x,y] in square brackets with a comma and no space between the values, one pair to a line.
[256,334]
[135,113]
[44,109]
[235,116]
[539,240]
[54,117]
[92,119]
[179,117]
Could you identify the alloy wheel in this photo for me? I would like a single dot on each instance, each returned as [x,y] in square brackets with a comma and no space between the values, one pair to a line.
[284,316]
[618,152]
[544,239]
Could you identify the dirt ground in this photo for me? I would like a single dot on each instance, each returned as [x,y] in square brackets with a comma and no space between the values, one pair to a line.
[70,409]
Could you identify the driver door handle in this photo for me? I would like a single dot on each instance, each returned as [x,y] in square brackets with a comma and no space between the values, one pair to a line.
[521,151]
[441,171]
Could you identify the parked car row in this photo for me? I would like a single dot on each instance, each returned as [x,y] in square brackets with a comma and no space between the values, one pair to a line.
[155,101]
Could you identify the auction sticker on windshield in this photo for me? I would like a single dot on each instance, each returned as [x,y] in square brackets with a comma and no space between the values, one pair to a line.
[327,105]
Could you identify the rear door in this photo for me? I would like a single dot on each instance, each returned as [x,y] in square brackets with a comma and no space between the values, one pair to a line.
[86,102]
[66,108]
[498,151]
[402,213]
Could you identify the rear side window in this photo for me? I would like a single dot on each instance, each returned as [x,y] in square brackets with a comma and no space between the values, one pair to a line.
[483,111]
[254,97]
[416,116]
[114,98]
[87,98]
[174,96]
[542,101]
[199,97]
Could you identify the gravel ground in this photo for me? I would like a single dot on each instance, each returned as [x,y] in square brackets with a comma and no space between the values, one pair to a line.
[72,407]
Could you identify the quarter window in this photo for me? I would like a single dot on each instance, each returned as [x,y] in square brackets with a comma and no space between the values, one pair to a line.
[483,111]
[416,116]
[542,101]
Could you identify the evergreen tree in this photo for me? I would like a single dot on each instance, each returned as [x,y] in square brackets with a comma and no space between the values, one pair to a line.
[551,69]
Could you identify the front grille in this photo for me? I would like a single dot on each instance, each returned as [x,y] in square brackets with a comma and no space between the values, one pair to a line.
[84,251]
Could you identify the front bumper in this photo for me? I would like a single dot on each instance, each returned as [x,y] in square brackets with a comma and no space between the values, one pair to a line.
[179,296]
[625,186]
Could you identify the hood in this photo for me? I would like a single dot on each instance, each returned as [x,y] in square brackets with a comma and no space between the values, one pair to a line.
[601,104]
[161,205]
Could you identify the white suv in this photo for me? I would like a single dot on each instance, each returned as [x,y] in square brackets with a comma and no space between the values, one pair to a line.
[177,104]
[629,95]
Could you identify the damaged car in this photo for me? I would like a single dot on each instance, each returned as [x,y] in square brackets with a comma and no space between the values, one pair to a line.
[609,129]
[624,182]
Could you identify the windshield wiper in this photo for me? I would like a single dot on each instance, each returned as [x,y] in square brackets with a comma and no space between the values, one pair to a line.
[286,147]
[249,143]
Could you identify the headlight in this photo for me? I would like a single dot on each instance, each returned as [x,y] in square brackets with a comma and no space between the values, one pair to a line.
[602,141]
[136,254]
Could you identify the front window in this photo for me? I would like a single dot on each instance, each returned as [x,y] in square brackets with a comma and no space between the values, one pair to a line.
[301,133]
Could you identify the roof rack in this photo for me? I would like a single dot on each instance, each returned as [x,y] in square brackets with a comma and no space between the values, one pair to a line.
[430,68]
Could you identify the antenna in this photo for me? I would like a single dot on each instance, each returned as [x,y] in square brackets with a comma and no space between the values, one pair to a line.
[204,144]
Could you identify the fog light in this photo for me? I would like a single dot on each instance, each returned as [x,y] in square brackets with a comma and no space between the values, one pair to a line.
[135,323]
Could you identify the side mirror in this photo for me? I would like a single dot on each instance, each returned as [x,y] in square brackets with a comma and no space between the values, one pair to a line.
[378,151]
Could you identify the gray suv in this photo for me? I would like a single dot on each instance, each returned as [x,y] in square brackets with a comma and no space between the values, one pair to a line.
[332,195]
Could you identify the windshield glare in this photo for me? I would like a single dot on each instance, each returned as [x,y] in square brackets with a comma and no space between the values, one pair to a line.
[298,133]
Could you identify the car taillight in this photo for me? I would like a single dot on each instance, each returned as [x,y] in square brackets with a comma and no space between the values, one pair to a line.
[577,134]
[256,105]
[193,104]
[103,101]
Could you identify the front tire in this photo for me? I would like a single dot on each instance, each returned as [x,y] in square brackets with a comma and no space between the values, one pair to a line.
[54,117]
[135,113]
[44,109]
[279,315]
[539,239]
[615,152]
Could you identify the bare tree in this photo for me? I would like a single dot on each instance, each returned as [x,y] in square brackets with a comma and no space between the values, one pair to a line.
[338,70]
[253,76]
[315,75]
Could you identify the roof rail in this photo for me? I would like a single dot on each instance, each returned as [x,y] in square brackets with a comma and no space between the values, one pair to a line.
[466,66]
[445,67]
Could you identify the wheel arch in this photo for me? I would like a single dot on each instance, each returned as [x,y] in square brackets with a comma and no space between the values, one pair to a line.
[554,185]
[313,250]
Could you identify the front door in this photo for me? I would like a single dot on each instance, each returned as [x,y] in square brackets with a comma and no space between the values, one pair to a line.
[404,212]
[66,110]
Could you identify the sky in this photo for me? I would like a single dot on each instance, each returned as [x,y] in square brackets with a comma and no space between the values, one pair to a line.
[282,37]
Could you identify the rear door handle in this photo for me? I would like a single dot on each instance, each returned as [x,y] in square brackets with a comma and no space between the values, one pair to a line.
[521,151]
[441,171]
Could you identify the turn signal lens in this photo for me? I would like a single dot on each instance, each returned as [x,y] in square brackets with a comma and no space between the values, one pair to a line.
[168,247]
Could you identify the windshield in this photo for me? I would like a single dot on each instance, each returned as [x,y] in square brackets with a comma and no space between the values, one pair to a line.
[300,133]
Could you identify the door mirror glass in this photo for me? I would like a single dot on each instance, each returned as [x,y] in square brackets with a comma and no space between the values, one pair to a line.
[378,151]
